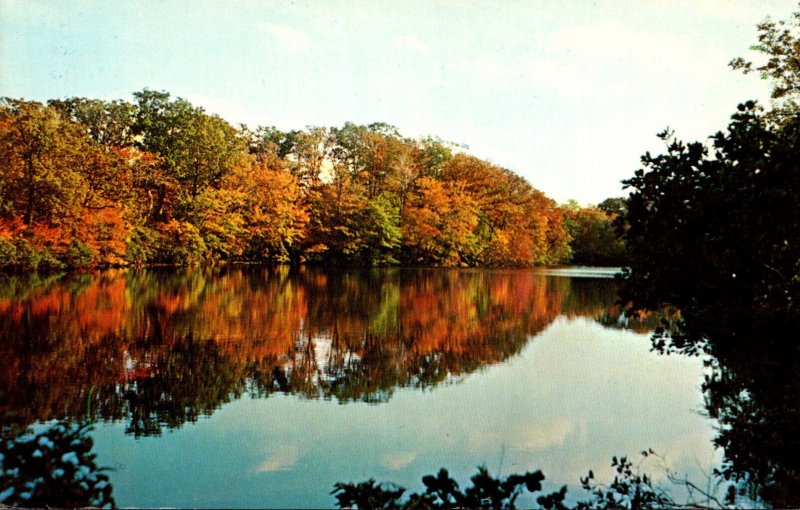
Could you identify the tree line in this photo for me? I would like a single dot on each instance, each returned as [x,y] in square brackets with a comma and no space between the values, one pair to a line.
[88,182]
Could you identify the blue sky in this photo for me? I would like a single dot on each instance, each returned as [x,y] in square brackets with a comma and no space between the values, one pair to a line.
[567,94]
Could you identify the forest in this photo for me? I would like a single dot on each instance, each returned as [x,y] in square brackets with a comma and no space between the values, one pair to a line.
[91,183]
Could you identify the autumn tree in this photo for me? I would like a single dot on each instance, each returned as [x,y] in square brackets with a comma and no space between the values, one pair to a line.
[517,225]
[440,222]
[39,181]
[347,225]
[273,210]
[67,191]
[160,180]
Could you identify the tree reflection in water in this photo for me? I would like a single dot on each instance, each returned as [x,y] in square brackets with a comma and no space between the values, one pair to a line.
[752,392]
[157,349]
[160,348]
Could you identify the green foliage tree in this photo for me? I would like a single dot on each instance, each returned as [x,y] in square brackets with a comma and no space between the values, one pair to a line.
[310,149]
[109,123]
[79,256]
[198,150]
[712,231]
[614,207]
[708,230]
[434,154]
[595,238]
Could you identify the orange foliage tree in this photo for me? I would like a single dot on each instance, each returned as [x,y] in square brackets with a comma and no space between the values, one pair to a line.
[88,182]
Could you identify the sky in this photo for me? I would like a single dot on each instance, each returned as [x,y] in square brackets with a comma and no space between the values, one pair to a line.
[567,94]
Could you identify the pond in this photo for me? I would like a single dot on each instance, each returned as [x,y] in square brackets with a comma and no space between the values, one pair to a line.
[253,387]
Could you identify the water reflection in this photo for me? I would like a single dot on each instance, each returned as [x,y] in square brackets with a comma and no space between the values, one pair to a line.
[752,391]
[161,348]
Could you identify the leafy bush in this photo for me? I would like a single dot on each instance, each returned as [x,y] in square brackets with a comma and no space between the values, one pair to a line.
[181,243]
[48,262]
[630,489]
[27,257]
[140,247]
[54,468]
[8,254]
[20,255]
[79,255]
[441,491]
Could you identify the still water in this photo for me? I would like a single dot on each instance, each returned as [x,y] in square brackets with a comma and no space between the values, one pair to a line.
[242,387]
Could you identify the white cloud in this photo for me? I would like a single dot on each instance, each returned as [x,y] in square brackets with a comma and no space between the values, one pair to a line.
[539,436]
[283,458]
[411,43]
[550,433]
[289,38]
[397,460]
